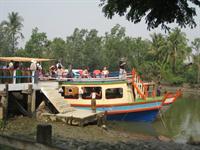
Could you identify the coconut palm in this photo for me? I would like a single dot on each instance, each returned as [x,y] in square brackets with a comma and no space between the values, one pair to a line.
[14,26]
[177,47]
[158,50]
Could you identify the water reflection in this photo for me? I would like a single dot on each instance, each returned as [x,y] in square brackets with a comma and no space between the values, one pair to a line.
[180,121]
[133,127]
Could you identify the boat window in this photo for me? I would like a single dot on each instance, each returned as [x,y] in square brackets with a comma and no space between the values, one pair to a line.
[87,92]
[71,92]
[114,93]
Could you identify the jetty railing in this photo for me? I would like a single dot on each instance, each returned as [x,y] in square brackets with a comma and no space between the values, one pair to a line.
[15,76]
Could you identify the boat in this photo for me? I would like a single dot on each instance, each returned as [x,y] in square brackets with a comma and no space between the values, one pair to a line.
[122,99]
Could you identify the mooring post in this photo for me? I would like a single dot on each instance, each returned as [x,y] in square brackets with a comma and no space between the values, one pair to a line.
[33,101]
[4,100]
[30,91]
[44,134]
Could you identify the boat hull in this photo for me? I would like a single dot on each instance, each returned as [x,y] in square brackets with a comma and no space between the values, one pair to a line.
[143,116]
[146,112]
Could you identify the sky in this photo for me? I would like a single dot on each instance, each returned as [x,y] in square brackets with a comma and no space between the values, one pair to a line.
[59,18]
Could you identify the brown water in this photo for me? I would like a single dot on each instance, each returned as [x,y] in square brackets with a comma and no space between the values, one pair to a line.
[179,122]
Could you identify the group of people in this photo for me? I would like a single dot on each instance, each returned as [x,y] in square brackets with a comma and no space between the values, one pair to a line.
[101,74]
[58,71]
[12,65]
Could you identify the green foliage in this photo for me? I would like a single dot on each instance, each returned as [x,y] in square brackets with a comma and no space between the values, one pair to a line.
[190,74]
[159,59]
[161,12]
[173,79]
[37,46]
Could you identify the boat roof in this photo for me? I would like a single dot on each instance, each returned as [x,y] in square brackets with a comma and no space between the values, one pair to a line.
[23,59]
[92,81]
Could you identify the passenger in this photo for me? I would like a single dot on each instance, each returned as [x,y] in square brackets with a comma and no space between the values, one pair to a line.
[158,91]
[104,73]
[16,65]
[39,66]
[85,73]
[33,65]
[59,72]
[70,72]
[59,64]
[95,94]
[96,73]
[33,68]
[122,71]
[10,65]
[52,71]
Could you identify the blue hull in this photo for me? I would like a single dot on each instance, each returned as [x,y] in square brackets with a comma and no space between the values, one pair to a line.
[143,116]
[147,112]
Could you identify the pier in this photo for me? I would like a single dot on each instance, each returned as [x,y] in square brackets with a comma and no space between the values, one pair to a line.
[36,92]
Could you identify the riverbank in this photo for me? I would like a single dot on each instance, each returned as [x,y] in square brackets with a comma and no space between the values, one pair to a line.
[89,137]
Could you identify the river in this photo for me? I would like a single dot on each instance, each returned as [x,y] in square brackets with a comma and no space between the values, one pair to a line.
[180,122]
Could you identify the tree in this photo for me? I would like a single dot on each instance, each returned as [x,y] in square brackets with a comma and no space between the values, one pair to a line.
[156,12]
[57,50]
[196,46]
[114,47]
[93,50]
[38,44]
[13,27]
[75,47]
[158,55]
[177,47]
[4,42]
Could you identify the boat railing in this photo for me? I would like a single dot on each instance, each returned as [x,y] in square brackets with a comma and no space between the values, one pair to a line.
[14,76]
[94,79]
[139,85]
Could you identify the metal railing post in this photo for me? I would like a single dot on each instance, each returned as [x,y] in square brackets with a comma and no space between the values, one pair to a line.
[33,77]
[14,77]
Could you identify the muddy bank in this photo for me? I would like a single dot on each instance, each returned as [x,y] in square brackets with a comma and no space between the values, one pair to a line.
[89,137]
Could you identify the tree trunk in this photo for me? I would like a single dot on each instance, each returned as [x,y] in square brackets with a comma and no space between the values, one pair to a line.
[174,61]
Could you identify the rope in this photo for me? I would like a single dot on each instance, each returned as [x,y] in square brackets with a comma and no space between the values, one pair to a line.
[161,115]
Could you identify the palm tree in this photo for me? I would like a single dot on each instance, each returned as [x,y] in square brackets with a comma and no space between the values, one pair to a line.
[177,47]
[159,54]
[158,49]
[14,26]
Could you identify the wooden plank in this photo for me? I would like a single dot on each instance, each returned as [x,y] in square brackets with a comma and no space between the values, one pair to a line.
[57,100]
[19,86]
[77,117]
[79,114]
[24,86]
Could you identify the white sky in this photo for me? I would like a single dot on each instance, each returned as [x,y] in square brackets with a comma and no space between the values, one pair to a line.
[59,18]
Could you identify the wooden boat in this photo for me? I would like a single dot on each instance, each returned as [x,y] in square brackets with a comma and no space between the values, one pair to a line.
[122,99]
